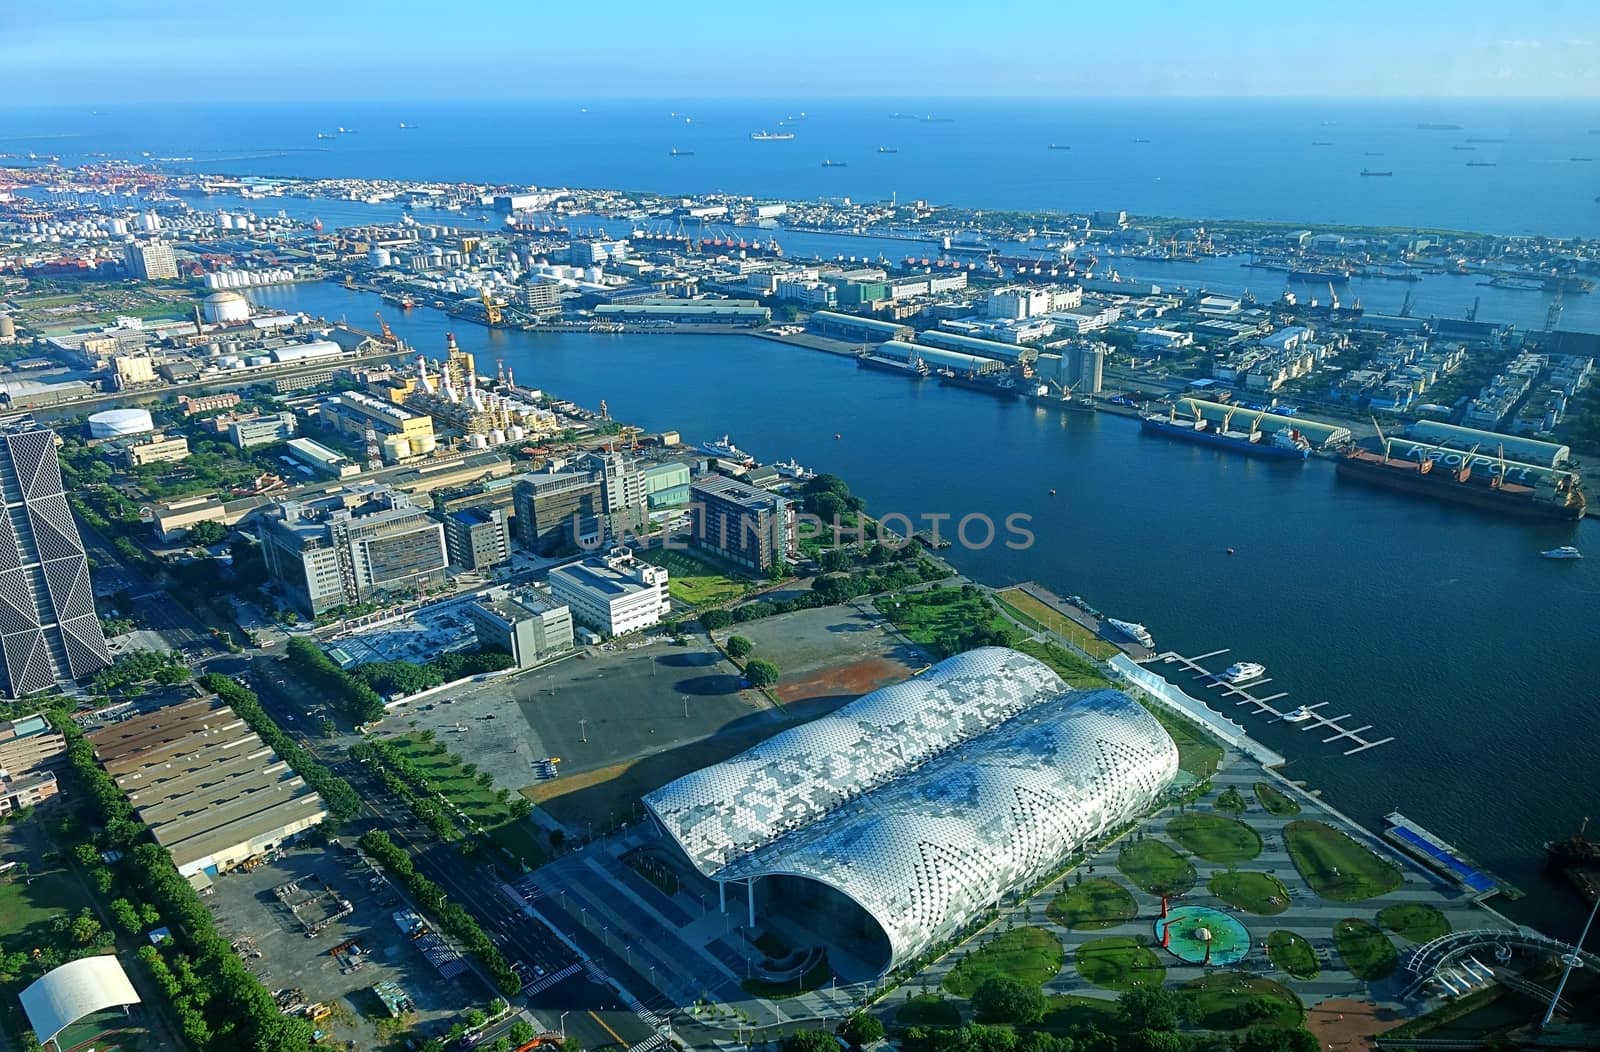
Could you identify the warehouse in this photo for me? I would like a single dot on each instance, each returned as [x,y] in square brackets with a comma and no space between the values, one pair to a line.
[691,312]
[889,825]
[1322,436]
[1491,443]
[1009,353]
[937,359]
[211,791]
[856,330]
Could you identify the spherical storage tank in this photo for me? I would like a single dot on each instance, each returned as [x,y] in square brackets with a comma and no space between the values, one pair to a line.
[226,308]
[115,423]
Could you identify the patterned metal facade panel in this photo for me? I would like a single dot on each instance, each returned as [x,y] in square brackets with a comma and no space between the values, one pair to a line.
[725,811]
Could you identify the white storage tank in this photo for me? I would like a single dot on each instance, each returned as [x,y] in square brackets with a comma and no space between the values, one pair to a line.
[226,308]
[497,437]
[115,423]
[517,433]
[379,257]
[477,441]
[426,444]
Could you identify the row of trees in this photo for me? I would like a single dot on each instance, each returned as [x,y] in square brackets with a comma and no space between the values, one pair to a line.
[830,590]
[343,803]
[391,768]
[138,666]
[759,671]
[354,698]
[392,678]
[456,921]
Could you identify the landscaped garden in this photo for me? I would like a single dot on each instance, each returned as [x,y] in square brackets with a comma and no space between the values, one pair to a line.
[693,580]
[1336,867]
[1416,921]
[1232,1000]
[1198,753]
[1029,955]
[948,621]
[1259,893]
[1119,962]
[1293,953]
[1095,903]
[1366,951]
[1214,837]
[1156,868]
[472,791]
[928,1010]
[1275,801]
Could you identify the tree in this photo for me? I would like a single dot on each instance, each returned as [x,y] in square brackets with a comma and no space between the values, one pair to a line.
[1272,1039]
[836,560]
[863,1029]
[809,1041]
[207,532]
[714,619]
[522,1032]
[521,807]
[1158,1041]
[1003,1000]
[761,672]
[739,646]
[125,916]
[1149,1008]
[476,1017]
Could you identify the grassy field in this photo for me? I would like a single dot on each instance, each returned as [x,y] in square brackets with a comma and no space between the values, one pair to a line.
[928,1010]
[1197,753]
[482,806]
[1416,921]
[1276,802]
[693,580]
[1029,955]
[1232,1000]
[1293,954]
[1336,867]
[933,618]
[1156,868]
[1119,963]
[1077,671]
[1031,611]
[1064,1011]
[1096,903]
[1259,893]
[1215,838]
[1367,952]
[26,909]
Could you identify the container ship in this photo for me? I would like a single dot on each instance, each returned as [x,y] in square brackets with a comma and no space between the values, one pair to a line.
[917,369]
[1284,444]
[1554,495]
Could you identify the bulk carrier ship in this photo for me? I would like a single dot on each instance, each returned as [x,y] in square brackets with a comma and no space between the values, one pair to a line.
[1284,444]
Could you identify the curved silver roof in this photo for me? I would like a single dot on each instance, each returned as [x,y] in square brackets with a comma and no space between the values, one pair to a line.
[78,988]
[924,849]
[725,811]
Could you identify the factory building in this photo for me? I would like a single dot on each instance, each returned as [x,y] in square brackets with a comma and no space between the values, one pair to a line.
[1526,450]
[207,403]
[130,370]
[351,546]
[319,459]
[152,449]
[856,330]
[1085,365]
[1009,353]
[151,262]
[528,625]
[541,298]
[262,430]
[401,432]
[689,312]
[1015,302]
[939,359]
[212,793]
[666,485]
[27,743]
[556,512]
[477,538]
[614,595]
[739,522]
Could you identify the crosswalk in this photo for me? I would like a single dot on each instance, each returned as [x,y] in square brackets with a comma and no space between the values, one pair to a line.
[595,973]
[539,986]
[652,1042]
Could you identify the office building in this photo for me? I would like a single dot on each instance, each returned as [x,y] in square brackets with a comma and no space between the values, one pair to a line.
[26,790]
[26,743]
[557,511]
[262,430]
[529,625]
[153,449]
[622,489]
[151,262]
[742,523]
[615,594]
[206,403]
[365,543]
[542,298]
[666,485]
[477,538]
[212,793]
[49,633]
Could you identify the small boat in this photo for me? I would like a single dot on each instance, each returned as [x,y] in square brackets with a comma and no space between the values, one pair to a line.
[888,149]
[1566,551]
[681,153]
[835,164]
[1299,715]
[1242,672]
[1059,146]
[1369,173]
[1136,632]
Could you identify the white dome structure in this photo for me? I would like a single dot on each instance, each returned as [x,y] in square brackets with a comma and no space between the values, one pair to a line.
[117,423]
[904,815]
[226,308]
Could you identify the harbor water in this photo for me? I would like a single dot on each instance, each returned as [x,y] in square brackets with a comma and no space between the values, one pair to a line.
[1437,625]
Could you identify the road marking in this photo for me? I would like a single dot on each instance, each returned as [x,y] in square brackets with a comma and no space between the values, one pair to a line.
[615,1036]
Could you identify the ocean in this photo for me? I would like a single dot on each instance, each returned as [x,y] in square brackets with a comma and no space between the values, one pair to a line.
[1202,158]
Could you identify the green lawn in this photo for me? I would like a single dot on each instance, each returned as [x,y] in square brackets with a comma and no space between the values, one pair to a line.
[693,580]
[1064,1011]
[481,806]
[1293,954]
[1416,921]
[1156,868]
[1096,903]
[1275,801]
[928,1010]
[1198,753]
[1229,1000]
[1029,955]
[26,910]
[1260,893]
[1118,962]
[1336,867]
[1214,837]
[1077,671]
[939,618]
[1367,952]
[1033,613]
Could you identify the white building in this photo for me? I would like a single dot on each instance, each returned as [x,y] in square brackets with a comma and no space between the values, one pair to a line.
[1016,302]
[616,594]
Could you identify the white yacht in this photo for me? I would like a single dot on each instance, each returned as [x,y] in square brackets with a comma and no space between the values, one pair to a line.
[1566,551]
[1242,672]
[1133,631]
[1299,715]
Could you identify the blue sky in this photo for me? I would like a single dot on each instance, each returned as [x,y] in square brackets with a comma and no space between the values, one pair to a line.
[76,51]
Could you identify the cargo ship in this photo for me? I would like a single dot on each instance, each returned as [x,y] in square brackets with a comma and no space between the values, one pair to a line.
[766,136]
[1284,444]
[917,369]
[1554,495]
[1321,277]
[1001,385]
[1578,859]
[1371,173]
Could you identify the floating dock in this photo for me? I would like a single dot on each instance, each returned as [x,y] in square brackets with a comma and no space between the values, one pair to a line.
[1240,696]
[1441,857]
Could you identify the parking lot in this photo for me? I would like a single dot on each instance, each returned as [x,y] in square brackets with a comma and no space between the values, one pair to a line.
[275,946]
[833,652]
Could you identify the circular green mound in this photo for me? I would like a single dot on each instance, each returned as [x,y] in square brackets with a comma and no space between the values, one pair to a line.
[1118,962]
[1336,867]
[1232,1001]
[1276,801]
[1293,954]
[1028,955]
[1416,921]
[1202,935]
[1366,951]
[1096,903]
[1214,837]
[928,1010]
[1258,893]
[1156,868]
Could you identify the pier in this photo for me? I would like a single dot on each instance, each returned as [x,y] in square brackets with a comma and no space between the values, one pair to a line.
[1263,704]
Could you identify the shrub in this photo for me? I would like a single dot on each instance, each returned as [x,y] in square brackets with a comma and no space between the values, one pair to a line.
[739,646]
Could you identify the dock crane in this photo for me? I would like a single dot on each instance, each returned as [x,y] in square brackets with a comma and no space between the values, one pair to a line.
[1405,307]
[1500,479]
[491,309]
[1552,317]
[1333,299]
[1464,472]
[1384,439]
[1472,312]
[383,327]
